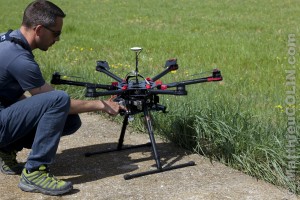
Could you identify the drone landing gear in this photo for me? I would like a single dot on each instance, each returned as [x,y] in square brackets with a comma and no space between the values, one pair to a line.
[152,143]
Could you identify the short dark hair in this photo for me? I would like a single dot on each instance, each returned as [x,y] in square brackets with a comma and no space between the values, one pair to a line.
[41,12]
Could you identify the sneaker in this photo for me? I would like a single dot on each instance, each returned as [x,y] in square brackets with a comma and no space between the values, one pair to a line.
[9,164]
[44,182]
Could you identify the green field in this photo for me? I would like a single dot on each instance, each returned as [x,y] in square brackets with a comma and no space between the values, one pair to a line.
[241,121]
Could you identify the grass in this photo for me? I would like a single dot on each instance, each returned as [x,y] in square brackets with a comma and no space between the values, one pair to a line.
[241,121]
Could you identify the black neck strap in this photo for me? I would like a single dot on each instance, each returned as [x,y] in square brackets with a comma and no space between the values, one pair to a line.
[14,40]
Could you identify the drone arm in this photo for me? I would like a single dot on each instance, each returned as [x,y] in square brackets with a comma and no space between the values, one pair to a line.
[188,82]
[180,86]
[179,91]
[91,92]
[171,65]
[155,78]
[108,73]
[216,76]
[103,67]
[56,80]
[67,82]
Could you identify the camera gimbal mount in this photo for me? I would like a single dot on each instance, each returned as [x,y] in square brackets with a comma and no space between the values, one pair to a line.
[138,95]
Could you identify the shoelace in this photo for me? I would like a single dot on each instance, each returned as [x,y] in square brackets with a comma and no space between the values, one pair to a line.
[48,174]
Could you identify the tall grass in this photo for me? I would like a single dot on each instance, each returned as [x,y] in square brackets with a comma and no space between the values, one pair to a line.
[241,121]
[238,138]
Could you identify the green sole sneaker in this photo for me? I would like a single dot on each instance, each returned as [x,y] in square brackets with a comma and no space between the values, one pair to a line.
[42,181]
[9,164]
[12,170]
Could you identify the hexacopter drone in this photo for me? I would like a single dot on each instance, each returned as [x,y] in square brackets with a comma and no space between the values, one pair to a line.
[138,95]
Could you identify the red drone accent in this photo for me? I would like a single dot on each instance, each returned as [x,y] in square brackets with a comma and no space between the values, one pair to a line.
[114,84]
[163,87]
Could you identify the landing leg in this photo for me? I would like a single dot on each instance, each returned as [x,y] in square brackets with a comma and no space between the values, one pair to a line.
[120,143]
[155,153]
[148,122]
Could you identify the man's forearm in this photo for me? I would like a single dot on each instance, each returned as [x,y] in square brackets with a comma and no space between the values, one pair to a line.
[81,106]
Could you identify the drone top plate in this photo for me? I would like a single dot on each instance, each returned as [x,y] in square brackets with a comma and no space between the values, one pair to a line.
[136,49]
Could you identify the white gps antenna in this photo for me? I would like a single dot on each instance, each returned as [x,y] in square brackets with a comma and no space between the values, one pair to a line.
[136,49]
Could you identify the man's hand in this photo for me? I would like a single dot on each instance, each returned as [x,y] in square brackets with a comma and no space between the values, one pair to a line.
[111,107]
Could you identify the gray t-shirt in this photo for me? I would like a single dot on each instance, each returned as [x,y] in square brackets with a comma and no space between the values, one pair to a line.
[19,71]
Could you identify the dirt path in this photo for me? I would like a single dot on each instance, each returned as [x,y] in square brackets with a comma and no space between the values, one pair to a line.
[101,176]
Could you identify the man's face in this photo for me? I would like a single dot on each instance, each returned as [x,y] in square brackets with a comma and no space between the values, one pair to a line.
[50,35]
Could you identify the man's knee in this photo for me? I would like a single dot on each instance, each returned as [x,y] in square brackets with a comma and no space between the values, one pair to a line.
[61,98]
[61,95]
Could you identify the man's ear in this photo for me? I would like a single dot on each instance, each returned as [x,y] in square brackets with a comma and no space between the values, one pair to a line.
[38,29]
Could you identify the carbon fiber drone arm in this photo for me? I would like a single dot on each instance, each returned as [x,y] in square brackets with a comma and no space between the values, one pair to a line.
[56,80]
[216,76]
[102,66]
[171,65]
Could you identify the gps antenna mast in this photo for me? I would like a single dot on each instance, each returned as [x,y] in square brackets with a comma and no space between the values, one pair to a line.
[137,51]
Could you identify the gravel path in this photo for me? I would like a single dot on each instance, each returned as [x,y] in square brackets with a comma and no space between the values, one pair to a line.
[101,176]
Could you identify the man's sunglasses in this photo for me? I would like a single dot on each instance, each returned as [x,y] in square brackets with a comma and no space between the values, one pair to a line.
[55,33]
